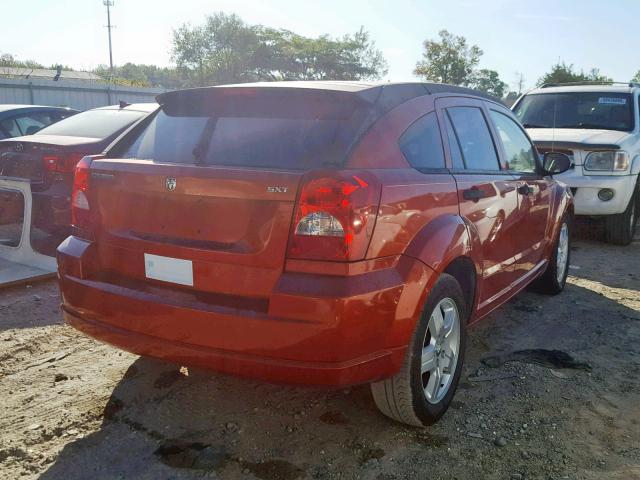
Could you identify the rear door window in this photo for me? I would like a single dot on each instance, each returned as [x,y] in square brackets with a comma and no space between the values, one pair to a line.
[474,137]
[10,127]
[33,122]
[421,143]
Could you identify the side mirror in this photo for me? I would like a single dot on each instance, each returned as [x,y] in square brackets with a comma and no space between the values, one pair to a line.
[555,162]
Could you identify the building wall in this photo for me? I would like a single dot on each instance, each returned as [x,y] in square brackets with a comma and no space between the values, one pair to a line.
[80,95]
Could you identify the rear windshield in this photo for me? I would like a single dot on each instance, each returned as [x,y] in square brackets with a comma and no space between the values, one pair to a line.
[93,123]
[251,132]
[590,110]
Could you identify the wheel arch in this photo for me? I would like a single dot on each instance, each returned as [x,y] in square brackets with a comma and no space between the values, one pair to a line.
[463,269]
[449,245]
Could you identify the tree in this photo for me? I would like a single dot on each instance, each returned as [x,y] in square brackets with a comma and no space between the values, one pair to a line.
[140,75]
[511,98]
[294,57]
[449,60]
[636,78]
[563,73]
[489,81]
[8,60]
[227,50]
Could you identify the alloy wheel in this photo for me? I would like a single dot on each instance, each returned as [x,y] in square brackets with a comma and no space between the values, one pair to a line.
[440,350]
[562,254]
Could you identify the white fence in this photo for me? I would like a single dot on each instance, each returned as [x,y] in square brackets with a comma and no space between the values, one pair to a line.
[80,95]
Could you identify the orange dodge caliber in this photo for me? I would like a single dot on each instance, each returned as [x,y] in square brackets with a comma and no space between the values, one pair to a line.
[327,233]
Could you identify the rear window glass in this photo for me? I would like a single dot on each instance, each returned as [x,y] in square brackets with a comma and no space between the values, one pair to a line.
[93,123]
[259,131]
[168,139]
[272,142]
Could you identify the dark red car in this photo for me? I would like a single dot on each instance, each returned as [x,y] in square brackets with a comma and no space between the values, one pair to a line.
[315,233]
[48,158]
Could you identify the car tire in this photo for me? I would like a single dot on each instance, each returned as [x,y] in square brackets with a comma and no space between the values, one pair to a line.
[619,229]
[553,280]
[420,396]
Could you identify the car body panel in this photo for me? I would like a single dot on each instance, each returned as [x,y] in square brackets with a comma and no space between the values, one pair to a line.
[253,310]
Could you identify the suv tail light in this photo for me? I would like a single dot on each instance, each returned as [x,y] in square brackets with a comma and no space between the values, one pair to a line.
[80,208]
[334,216]
[61,163]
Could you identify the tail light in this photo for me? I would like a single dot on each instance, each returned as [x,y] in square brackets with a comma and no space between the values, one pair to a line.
[61,163]
[80,210]
[334,216]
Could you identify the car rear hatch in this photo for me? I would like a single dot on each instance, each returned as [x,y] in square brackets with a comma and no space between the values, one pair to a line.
[201,196]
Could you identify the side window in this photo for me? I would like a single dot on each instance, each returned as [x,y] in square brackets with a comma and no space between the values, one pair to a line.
[474,137]
[520,153]
[454,144]
[31,123]
[10,127]
[421,143]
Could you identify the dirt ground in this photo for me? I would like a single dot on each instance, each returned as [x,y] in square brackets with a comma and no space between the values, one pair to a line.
[550,390]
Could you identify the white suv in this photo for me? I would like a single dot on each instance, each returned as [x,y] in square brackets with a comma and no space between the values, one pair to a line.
[598,126]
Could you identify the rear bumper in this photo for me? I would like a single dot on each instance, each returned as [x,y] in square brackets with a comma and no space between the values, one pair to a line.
[358,370]
[317,329]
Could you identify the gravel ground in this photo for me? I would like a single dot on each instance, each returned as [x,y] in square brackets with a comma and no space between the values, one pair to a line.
[550,390]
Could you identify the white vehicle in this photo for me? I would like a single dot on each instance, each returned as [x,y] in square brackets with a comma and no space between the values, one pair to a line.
[598,126]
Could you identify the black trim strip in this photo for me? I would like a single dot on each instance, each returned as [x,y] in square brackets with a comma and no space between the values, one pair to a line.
[576,145]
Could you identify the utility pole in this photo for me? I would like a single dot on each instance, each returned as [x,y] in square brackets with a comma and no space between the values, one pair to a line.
[520,82]
[109,4]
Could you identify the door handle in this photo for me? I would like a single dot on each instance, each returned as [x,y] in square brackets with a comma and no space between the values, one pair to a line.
[473,193]
[525,189]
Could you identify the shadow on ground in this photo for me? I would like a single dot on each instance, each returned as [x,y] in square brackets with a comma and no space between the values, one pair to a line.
[165,422]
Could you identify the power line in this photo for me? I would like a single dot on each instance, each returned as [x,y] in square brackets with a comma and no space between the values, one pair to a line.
[109,4]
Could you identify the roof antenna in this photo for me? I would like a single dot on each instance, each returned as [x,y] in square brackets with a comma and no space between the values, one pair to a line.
[123,104]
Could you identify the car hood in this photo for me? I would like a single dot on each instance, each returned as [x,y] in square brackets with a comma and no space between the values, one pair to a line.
[577,137]
[53,140]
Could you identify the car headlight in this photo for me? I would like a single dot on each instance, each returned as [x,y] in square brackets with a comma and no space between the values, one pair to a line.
[609,161]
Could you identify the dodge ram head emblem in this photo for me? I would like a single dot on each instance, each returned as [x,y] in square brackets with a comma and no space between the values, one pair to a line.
[171,184]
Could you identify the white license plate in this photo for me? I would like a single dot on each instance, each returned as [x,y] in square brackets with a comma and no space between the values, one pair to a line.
[167,269]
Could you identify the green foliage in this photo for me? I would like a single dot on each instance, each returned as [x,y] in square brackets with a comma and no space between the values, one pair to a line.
[489,81]
[636,78]
[226,50]
[563,73]
[8,60]
[510,99]
[449,60]
[140,75]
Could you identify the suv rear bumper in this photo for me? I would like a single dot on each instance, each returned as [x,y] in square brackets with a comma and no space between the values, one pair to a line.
[586,188]
[318,329]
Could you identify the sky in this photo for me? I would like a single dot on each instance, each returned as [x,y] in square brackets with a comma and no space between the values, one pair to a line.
[518,37]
